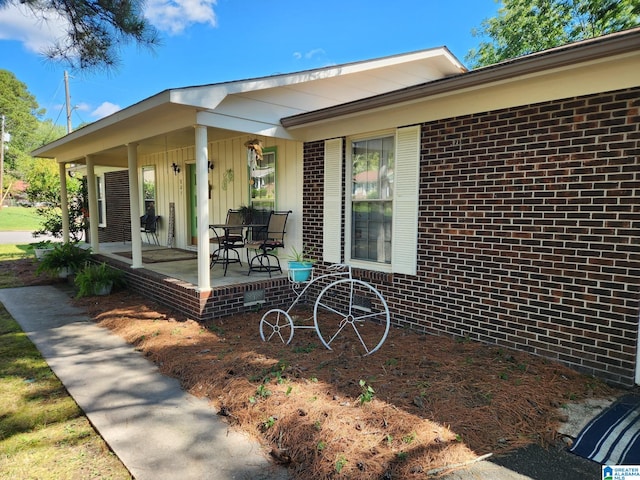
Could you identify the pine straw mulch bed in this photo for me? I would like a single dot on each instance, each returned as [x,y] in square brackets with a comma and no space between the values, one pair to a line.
[436,402]
[23,273]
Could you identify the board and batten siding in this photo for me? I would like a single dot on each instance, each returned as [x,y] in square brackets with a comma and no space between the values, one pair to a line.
[227,190]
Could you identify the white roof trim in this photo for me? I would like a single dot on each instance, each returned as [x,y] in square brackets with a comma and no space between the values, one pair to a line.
[257,111]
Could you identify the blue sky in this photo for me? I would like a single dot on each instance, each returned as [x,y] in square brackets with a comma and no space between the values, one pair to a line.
[210,41]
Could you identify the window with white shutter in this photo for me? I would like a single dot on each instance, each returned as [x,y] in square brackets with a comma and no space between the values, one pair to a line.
[405,202]
[381,217]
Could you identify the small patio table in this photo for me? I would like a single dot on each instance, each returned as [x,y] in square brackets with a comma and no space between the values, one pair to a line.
[227,242]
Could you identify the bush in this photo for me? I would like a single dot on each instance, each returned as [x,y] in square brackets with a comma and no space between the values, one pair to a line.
[95,277]
[64,255]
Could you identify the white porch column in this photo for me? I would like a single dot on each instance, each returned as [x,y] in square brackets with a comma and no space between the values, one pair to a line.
[202,180]
[64,202]
[94,215]
[134,206]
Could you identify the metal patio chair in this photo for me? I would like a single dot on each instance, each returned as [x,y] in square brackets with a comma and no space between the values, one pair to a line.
[228,238]
[149,226]
[269,239]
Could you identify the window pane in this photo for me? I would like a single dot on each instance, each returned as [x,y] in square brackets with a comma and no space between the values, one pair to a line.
[372,199]
[149,189]
[371,231]
[100,195]
[263,182]
[373,169]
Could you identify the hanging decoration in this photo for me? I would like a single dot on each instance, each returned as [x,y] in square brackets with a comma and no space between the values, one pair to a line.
[227,177]
[254,152]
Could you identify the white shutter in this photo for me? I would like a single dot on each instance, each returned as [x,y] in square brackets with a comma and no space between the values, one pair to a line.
[332,208]
[405,201]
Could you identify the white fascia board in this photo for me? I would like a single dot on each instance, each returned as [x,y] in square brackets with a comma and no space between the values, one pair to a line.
[454,65]
[216,120]
[210,96]
[601,75]
[113,119]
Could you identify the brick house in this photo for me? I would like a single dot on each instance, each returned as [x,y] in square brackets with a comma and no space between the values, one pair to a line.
[505,208]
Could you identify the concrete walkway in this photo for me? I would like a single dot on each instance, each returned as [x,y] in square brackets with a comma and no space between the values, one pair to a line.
[156,429]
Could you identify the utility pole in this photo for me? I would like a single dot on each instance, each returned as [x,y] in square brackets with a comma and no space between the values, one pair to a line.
[1,163]
[68,101]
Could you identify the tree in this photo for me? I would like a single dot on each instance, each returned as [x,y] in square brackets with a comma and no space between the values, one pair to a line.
[43,180]
[527,26]
[23,122]
[96,28]
[44,188]
[21,112]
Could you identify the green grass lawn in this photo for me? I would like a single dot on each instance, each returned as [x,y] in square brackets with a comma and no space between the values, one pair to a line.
[19,218]
[13,252]
[43,433]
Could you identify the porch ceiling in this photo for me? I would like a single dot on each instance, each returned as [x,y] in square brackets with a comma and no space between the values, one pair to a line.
[163,127]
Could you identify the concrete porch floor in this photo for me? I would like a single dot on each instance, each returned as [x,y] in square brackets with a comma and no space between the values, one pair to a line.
[187,270]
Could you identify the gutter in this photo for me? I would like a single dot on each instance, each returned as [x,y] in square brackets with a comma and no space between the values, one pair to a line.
[559,57]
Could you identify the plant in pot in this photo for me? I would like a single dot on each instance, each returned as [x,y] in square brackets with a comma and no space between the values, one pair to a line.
[40,249]
[248,213]
[300,265]
[97,279]
[64,259]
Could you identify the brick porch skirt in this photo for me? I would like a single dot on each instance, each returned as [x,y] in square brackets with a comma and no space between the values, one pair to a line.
[201,306]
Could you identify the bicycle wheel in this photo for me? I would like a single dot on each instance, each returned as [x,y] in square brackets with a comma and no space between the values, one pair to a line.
[276,323]
[354,313]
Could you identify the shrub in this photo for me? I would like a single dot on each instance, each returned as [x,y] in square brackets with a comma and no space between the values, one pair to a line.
[95,277]
[64,255]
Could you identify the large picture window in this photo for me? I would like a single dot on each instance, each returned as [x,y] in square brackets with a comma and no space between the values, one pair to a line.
[372,170]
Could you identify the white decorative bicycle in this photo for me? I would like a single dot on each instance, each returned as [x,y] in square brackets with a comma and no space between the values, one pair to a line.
[344,307]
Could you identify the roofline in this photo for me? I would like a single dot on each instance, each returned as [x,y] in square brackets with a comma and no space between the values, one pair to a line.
[275,76]
[558,57]
[166,96]
[130,111]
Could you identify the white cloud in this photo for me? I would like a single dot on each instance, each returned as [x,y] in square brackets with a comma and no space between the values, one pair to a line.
[104,110]
[316,52]
[82,107]
[175,16]
[17,22]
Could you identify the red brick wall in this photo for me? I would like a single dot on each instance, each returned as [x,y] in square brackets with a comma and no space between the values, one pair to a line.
[312,207]
[529,231]
[185,298]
